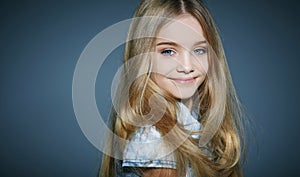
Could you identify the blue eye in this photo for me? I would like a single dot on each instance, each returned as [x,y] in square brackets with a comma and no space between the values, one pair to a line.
[168,52]
[200,51]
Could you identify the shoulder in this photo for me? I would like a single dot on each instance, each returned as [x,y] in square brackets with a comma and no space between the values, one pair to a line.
[146,148]
[146,135]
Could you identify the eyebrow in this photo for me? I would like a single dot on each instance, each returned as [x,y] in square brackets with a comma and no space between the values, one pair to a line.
[175,44]
[167,43]
[200,42]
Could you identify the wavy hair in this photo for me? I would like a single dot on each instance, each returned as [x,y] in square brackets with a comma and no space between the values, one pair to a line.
[217,101]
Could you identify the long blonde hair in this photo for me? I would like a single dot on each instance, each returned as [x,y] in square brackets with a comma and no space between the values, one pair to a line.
[218,104]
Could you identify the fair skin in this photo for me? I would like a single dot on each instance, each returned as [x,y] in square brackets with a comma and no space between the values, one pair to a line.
[180,64]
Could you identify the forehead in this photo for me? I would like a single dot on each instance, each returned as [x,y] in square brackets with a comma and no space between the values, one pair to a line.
[183,30]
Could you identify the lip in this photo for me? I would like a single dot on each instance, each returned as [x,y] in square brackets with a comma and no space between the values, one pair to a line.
[184,80]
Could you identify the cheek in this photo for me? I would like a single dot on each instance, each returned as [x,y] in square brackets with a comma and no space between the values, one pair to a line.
[163,66]
[202,65]
[205,65]
[160,80]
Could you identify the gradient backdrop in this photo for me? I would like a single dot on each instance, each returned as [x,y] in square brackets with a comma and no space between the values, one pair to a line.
[41,41]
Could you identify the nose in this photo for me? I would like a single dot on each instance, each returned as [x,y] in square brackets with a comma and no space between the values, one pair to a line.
[185,64]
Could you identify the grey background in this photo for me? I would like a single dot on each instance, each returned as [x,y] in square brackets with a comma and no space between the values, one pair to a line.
[41,41]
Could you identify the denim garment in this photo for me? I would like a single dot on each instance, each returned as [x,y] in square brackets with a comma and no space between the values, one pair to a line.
[146,148]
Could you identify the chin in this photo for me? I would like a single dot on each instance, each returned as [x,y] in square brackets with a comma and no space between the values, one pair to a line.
[184,95]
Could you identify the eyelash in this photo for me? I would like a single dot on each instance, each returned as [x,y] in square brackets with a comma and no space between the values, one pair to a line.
[164,52]
[171,52]
[203,51]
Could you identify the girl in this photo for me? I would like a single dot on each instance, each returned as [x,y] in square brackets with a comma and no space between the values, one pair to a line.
[176,108]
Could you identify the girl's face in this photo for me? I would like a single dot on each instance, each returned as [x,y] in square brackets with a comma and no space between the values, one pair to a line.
[180,64]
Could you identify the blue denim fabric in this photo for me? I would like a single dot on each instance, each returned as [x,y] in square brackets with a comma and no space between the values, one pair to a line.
[147,149]
[126,171]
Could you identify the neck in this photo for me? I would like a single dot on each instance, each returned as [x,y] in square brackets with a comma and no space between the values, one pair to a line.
[188,103]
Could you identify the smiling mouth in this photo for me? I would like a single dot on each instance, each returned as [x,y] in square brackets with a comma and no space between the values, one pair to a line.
[184,80]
